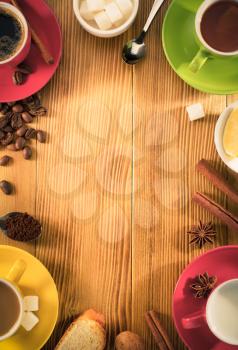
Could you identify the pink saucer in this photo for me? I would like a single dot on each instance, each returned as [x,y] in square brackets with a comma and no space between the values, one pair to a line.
[43,20]
[221,262]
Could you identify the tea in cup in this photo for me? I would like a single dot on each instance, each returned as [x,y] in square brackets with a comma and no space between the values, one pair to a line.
[216,26]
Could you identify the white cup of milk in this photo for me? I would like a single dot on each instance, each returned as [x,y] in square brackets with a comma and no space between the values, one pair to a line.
[220,314]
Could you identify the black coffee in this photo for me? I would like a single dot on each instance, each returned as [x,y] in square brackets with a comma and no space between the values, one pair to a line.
[11,34]
[219,26]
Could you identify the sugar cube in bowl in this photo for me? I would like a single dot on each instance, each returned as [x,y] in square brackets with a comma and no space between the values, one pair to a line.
[103,21]
[113,12]
[85,12]
[125,6]
[95,5]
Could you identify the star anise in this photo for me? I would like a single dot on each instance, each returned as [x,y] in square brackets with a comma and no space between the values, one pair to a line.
[203,285]
[202,233]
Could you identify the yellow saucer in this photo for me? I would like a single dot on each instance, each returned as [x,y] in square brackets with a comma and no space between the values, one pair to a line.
[36,280]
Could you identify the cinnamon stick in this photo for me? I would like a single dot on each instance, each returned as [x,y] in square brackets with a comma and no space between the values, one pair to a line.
[159,333]
[217,210]
[44,51]
[217,179]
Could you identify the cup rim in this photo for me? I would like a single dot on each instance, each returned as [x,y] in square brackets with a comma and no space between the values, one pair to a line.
[218,137]
[105,33]
[26,30]
[17,324]
[200,12]
[222,338]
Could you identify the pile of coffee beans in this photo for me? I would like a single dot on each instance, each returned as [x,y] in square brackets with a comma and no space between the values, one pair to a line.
[15,133]
[22,227]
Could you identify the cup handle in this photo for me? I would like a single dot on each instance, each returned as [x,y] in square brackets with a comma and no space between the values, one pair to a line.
[194,321]
[198,61]
[16,271]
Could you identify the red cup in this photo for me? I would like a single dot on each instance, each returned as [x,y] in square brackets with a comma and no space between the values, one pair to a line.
[24,48]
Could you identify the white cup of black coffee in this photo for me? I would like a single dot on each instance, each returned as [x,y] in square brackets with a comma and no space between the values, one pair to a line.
[216,26]
[14,35]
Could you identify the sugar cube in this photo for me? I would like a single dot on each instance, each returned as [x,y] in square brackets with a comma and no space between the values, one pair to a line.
[125,6]
[195,111]
[31,303]
[113,12]
[95,5]
[29,321]
[103,21]
[84,11]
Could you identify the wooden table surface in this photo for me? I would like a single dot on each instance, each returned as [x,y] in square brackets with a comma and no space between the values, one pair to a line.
[113,185]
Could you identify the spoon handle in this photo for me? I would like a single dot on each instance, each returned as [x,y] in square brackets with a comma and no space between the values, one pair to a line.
[153,12]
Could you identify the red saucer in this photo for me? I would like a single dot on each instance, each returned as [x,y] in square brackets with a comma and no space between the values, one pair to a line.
[221,262]
[43,20]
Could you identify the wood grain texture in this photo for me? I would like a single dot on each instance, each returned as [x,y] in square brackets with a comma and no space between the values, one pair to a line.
[113,184]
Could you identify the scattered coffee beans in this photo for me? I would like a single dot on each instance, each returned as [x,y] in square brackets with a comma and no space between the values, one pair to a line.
[6,187]
[27,153]
[14,133]
[22,227]
[5,160]
[41,136]
[20,143]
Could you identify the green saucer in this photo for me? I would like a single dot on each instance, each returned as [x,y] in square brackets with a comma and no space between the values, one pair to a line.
[218,75]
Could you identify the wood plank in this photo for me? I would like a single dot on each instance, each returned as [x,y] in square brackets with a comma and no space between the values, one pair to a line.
[163,212]
[90,102]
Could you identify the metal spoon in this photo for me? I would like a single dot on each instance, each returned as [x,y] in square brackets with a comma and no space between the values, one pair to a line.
[3,224]
[135,49]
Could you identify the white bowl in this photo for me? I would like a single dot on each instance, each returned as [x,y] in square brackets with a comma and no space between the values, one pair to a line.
[232,163]
[105,33]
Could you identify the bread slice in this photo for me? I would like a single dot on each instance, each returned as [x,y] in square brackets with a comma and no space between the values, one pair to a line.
[87,332]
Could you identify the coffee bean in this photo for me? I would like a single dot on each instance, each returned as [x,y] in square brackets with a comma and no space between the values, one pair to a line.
[6,187]
[12,147]
[2,134]
[5,108]
[26,117]
[4,160]
[41,136]
[8,116]
[20,143]
[27,152]
[21,132]
[38,111]
[8,138]
[24,68]
[17,108]
[3,122]
[18,78]
[30,134]
[7,129]
[16,122]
